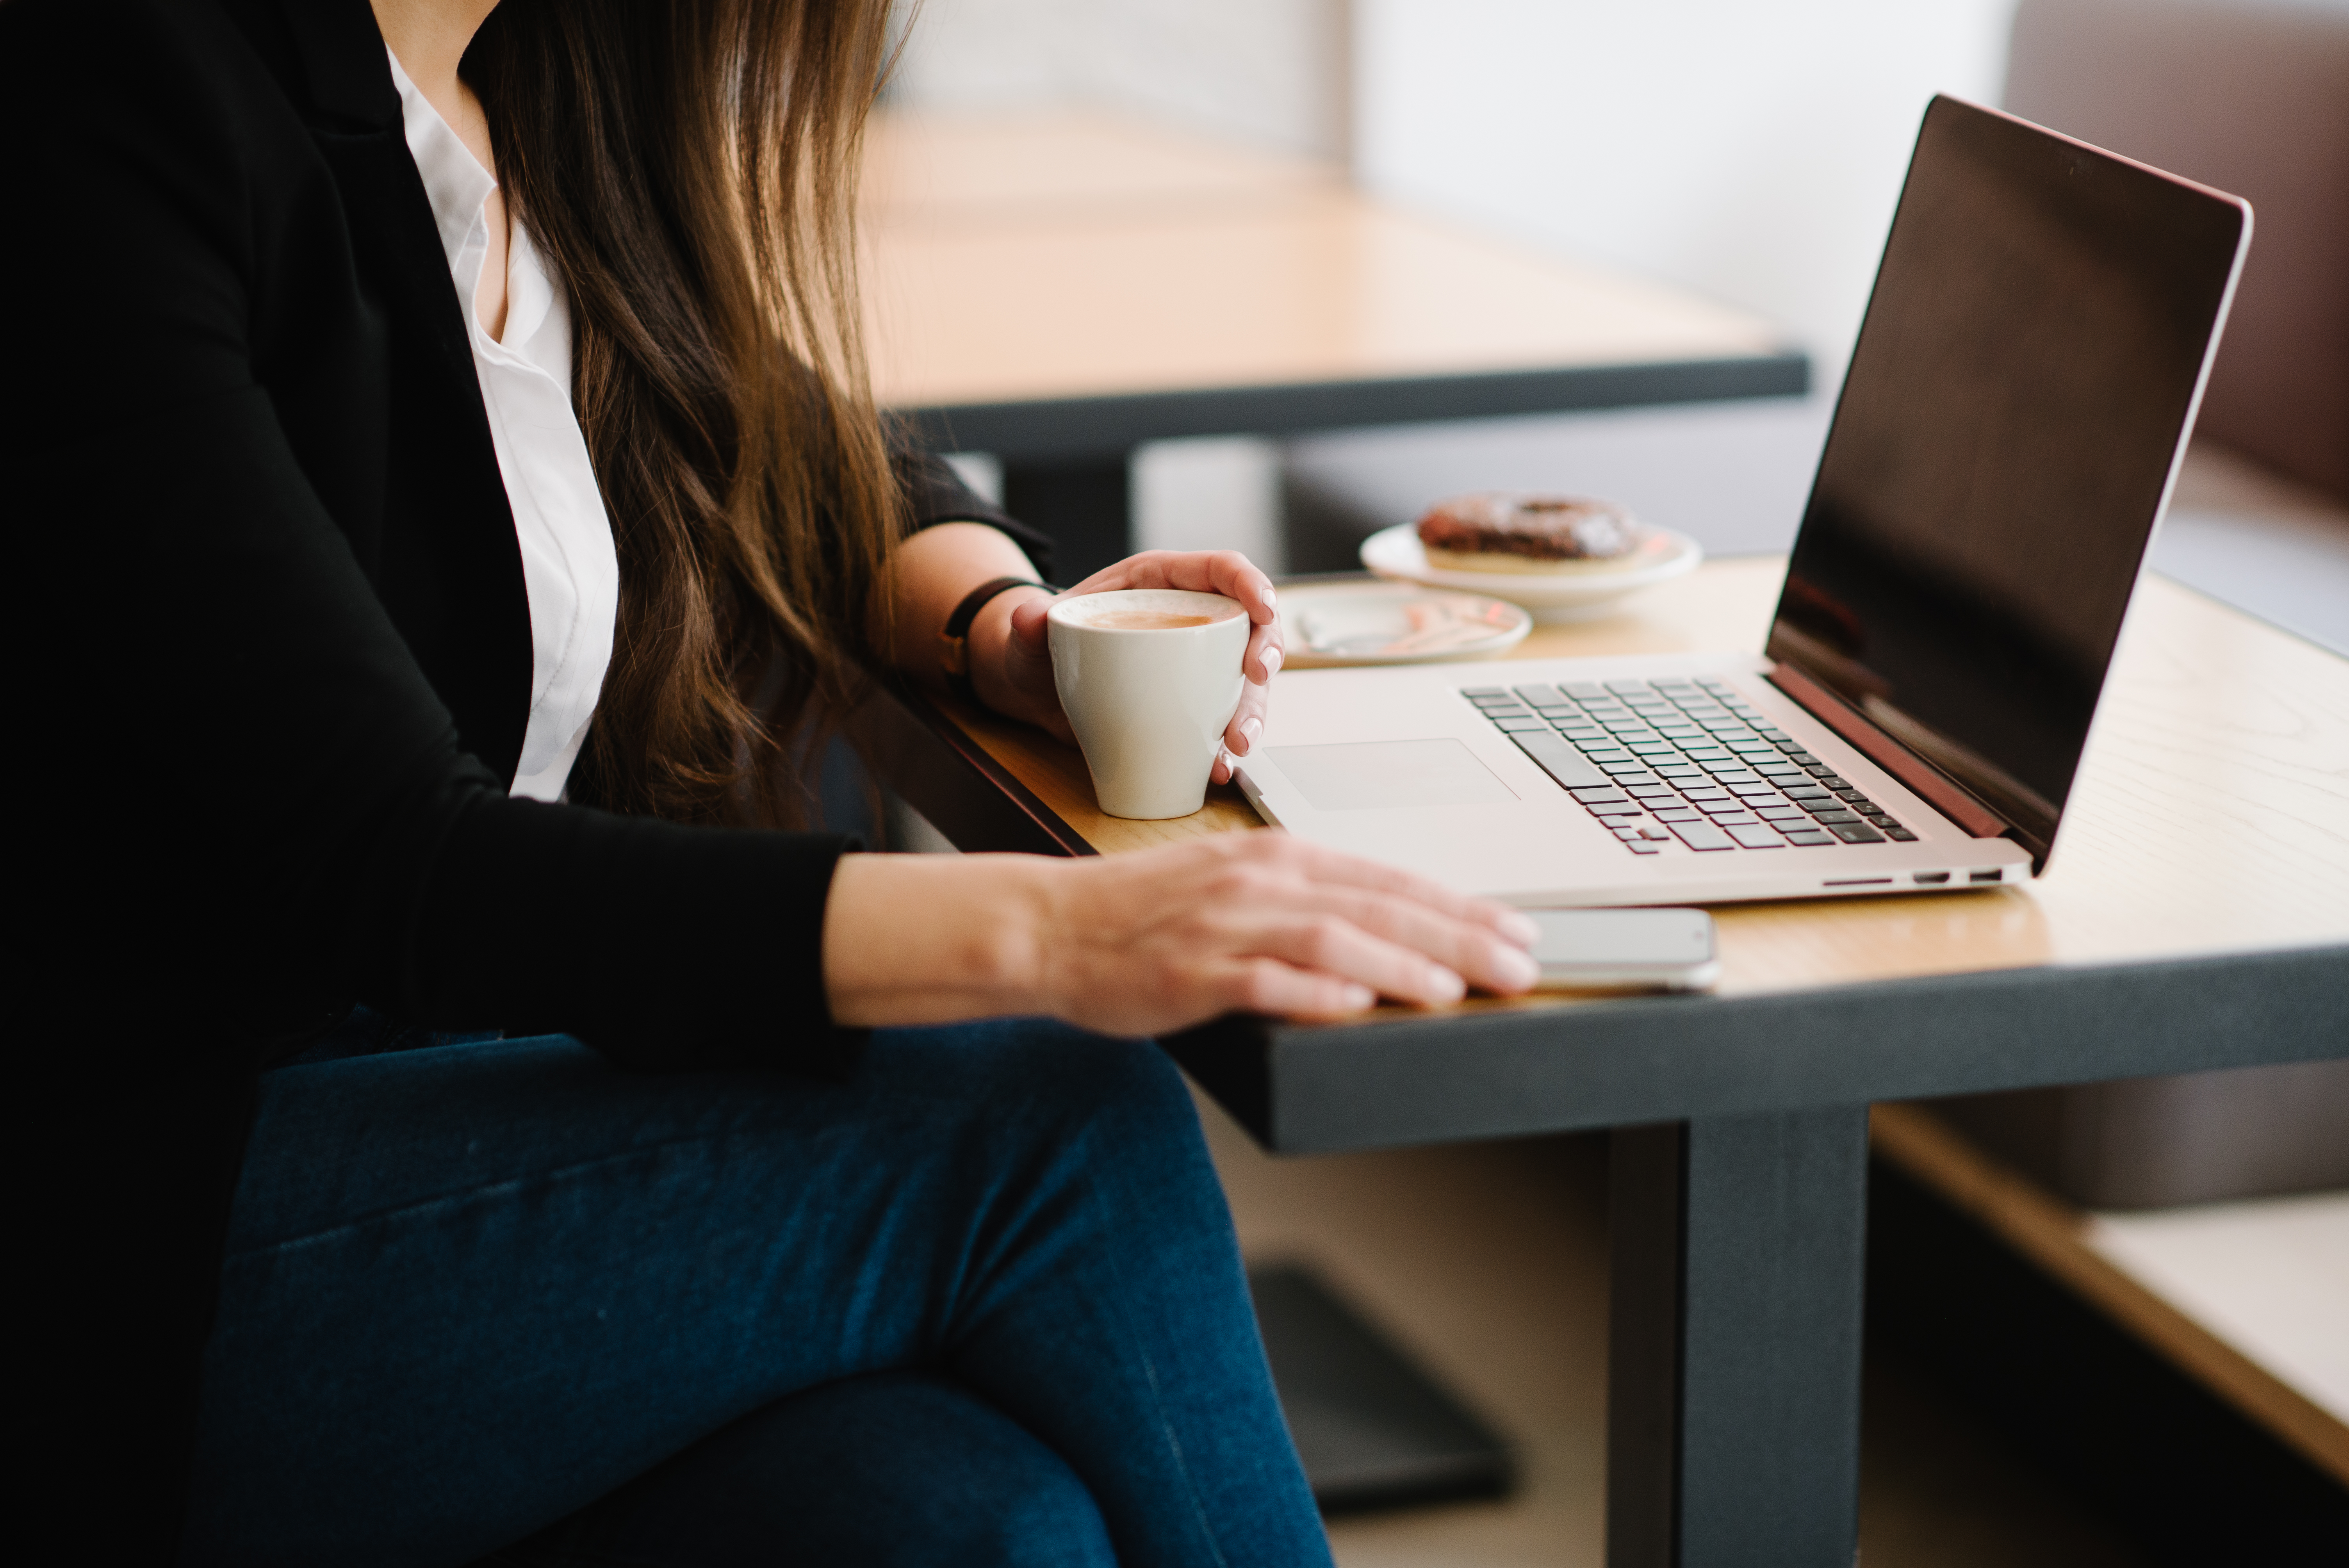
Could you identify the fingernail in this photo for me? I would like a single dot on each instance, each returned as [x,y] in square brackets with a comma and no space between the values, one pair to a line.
[1519,928]
[1271,660]
[1250,727]
[1516,967]
[1264,596]
[1444,987]
[1355,998]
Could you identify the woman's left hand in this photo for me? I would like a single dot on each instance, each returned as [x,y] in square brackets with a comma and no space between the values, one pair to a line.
[1021,686]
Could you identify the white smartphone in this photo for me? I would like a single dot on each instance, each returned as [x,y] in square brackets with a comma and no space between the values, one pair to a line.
[1630,949]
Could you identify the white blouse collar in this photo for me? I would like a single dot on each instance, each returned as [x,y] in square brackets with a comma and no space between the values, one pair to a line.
[459,188]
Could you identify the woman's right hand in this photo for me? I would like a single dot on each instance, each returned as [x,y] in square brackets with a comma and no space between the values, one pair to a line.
[1155,940]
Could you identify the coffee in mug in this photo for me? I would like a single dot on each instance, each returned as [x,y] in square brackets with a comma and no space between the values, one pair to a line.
[1148,620]
[1149,677]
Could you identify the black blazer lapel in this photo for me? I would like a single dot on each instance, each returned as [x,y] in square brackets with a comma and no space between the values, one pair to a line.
[446,562]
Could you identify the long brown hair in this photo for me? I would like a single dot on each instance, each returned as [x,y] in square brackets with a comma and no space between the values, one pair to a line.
[689,168]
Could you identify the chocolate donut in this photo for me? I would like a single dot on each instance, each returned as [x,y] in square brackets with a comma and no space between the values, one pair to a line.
[1501,531]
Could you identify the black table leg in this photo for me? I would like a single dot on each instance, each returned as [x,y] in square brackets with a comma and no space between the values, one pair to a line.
[1733,1359]
[1085,504]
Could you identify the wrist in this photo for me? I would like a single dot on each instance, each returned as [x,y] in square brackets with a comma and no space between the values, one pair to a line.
[991,649]
[933,939]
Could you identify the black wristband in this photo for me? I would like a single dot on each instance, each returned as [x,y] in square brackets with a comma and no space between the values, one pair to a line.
[956,656]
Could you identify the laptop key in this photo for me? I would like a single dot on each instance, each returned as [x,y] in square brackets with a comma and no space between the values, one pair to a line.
[1678,814]
[1899,832]
[1537,695]
[1721,808]
[1704,836]
[1556,758]
[1594,793]
[1526,723]
[1856,832]
[1835,818]
[1758,837]
[1638,848]
[1473,693]
[1578,690]
[1809,837]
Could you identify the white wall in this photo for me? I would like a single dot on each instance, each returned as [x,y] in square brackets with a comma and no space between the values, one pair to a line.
[1750,148]
[1270,71]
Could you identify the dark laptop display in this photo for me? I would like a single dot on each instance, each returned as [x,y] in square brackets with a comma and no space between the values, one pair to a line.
[2028,364]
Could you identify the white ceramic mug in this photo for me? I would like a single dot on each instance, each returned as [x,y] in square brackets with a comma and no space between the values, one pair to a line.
[1149,701]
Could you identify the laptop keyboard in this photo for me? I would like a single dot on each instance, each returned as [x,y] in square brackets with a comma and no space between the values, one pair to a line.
[1685,759]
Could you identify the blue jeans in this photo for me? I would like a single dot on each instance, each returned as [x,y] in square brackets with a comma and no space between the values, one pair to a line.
[979,1304]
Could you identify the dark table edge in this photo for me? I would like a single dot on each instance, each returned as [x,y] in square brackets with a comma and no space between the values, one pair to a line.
[1637,1061]
[936,767]
[1070,428]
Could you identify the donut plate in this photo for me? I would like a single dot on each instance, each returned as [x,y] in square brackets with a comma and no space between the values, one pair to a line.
[1550,596]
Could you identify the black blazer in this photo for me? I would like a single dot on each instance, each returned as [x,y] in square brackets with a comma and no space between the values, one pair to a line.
[271,650]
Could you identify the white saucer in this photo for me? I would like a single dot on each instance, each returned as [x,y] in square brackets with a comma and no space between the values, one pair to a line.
[1392,623]
[1550,595]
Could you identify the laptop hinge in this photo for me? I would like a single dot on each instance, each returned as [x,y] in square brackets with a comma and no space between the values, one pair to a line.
[1928,782]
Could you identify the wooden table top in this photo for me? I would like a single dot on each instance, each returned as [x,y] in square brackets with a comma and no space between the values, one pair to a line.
[1038,258]
[2210,814]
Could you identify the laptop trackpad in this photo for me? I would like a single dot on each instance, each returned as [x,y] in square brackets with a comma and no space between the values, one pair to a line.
[1381,775]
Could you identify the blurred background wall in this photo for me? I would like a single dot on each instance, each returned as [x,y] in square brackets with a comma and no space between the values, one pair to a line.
[1752,152]
[1272,72]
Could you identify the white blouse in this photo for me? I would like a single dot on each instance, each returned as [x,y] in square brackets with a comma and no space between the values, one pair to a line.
[568,565]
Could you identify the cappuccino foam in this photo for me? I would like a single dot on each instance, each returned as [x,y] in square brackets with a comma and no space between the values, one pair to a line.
[1147,620]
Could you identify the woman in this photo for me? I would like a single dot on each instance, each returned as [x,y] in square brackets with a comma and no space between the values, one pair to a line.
[439,445]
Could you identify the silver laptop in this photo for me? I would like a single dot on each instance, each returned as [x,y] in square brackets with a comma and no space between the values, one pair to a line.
[2011,424]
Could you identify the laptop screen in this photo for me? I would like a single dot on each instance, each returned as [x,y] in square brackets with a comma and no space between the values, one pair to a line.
[2017,395]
